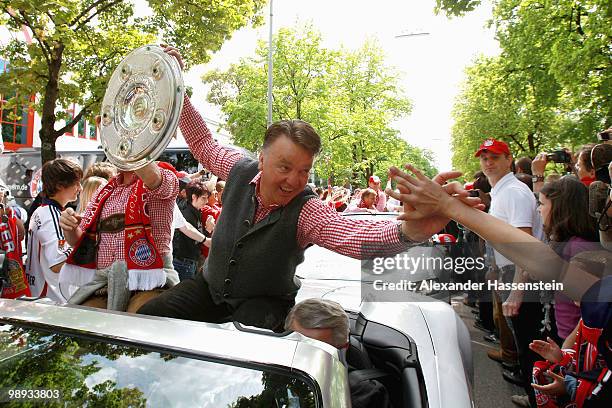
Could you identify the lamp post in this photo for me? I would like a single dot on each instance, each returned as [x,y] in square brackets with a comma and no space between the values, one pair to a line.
[412,34]
[270,51]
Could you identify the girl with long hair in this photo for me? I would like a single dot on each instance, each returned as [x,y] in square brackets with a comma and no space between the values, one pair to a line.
[564,206]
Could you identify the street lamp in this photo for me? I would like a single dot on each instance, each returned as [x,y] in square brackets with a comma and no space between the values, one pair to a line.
[412,34]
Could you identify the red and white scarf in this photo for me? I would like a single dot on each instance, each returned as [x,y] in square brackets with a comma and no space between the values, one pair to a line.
[18,284]
[144,264]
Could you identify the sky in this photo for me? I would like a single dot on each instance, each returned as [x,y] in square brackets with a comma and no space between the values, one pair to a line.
[431,66]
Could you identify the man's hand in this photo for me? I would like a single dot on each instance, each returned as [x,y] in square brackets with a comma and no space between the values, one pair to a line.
[547,349]
[556,387]
[512,305]
[538,165]
[69,220]
[69,223]
[210,224]
[150,175]
[174,53]
[427,202]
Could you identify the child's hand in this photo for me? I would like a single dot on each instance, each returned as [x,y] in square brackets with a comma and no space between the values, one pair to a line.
[556,387]
[547,349]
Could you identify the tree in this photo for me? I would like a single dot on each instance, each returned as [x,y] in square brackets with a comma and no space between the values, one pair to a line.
[300,86]
[350,97]
[550,87]
[570,40]
[501,102]
[455,7]
[77,44]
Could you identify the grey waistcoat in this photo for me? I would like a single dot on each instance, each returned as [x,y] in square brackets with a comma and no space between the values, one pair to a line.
[247,260]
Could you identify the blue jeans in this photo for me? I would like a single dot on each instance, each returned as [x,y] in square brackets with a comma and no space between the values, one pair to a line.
[186,268]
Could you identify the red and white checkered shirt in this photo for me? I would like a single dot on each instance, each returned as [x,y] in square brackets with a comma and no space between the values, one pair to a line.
[317,224]
[161,205]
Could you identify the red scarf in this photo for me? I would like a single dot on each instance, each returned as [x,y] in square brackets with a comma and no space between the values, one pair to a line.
[588,180]
[140,251]
[18,284]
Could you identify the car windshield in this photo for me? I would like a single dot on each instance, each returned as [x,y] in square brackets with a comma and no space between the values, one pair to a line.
[90,372]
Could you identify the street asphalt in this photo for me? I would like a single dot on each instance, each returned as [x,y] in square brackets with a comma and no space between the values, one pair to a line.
[490,389]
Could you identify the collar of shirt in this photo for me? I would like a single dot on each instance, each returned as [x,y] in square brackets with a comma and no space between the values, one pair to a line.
[256,180]
[51,202]
[502,182]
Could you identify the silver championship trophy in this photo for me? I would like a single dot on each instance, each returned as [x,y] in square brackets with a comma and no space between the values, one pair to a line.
[141,108]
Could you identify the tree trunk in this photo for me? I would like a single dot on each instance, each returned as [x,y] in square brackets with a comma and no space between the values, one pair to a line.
[531,143]
[48,134]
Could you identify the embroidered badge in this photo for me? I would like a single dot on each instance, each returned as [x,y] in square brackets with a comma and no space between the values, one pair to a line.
[488,142]
[141,253]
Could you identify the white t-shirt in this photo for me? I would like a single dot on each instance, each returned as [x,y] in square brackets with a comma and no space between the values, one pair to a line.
[513,202]
[47,247]
[178,221]
[393,204]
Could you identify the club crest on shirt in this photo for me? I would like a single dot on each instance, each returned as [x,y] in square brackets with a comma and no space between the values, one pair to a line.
[141,253]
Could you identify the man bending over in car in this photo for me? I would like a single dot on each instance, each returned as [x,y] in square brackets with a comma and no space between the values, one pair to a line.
[320,319]
[326,321]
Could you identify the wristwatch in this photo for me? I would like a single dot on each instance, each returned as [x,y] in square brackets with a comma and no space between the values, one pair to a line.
[537,178]
[402,236]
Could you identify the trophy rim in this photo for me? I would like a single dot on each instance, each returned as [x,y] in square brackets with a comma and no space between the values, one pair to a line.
[159,141]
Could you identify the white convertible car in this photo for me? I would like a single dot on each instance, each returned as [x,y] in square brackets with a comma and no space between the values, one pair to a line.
[75,356]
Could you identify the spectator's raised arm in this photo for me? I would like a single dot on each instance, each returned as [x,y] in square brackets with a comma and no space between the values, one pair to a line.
[429,204]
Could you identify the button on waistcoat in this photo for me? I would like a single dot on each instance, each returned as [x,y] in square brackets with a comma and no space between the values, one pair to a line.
[251,260]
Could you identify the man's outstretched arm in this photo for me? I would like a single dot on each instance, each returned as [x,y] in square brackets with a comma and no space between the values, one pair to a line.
[214,157]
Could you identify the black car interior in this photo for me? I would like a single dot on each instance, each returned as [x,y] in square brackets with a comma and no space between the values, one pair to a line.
[373,345]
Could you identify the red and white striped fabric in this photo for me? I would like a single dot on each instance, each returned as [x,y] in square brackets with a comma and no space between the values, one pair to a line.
[317,224]
[161,205]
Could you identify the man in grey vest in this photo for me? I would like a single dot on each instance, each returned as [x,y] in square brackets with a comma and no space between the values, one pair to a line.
[269,218]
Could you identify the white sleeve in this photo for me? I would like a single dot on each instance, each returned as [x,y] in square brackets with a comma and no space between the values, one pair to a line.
[178,221]
[51,237]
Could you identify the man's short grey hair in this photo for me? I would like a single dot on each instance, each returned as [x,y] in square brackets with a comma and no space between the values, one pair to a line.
[321,314]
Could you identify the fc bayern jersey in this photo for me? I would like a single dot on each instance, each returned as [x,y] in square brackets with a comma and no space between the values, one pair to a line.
[47,247]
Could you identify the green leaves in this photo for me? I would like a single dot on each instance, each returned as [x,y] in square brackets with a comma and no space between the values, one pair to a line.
[202,26]
[350,97]
[551,86]
[77,44]
[456,7]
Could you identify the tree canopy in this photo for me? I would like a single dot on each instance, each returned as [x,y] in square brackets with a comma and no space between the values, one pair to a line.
[77,44]
[550,87]
[349,96]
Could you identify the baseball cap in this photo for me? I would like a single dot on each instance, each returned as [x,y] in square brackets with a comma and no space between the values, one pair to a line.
[374,179]
[493,146]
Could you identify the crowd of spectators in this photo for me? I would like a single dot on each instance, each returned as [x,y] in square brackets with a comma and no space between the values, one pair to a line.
[544,341]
